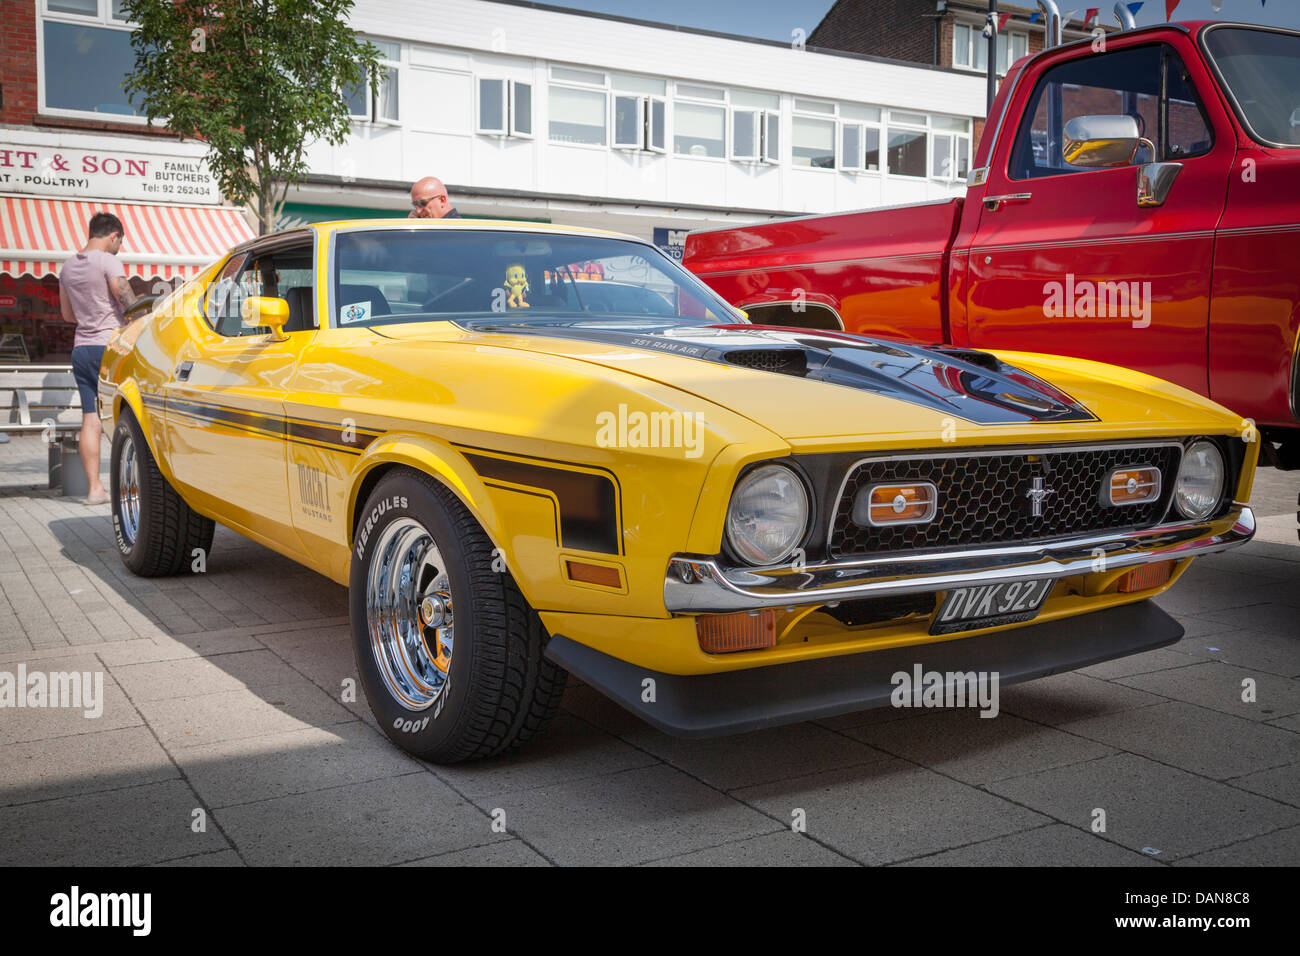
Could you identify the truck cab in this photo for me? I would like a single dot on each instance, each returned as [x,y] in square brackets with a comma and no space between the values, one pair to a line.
[1135,199]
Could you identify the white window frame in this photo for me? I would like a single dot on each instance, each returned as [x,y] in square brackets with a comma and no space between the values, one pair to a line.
[858,164]
[831,116]
[639,104]
[722,103]
[961,142]
[513,104]
[102,18]
[755,133]
[771,151]
[888,125]
[509,108]
[649,124]
[975,35]
[571,84]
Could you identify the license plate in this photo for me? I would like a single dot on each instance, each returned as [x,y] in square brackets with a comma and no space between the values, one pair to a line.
[988,605]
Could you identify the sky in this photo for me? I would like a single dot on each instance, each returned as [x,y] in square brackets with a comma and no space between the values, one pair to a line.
[777,19]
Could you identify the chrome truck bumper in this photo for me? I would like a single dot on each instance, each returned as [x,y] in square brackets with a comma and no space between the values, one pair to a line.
[700,585]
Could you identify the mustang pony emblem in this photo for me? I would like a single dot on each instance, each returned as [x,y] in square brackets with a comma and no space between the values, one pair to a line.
[1037,494]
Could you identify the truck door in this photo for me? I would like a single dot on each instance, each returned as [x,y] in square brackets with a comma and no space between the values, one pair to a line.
[1065,260]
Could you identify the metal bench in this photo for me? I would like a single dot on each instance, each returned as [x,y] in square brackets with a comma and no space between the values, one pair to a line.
[43,399]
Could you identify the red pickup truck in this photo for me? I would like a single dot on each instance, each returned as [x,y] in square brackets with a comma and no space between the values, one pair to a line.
[1135,201]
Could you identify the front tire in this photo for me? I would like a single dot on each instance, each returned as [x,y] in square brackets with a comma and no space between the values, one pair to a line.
[157,533]
[449,652]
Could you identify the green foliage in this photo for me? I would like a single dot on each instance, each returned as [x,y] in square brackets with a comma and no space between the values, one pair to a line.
[258,80]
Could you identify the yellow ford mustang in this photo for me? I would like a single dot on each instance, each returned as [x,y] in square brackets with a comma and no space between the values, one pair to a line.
[531,450]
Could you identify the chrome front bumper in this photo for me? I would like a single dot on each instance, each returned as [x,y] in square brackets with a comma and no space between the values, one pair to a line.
[699,585]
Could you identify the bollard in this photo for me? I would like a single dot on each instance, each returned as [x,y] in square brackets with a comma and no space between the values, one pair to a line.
[73,475]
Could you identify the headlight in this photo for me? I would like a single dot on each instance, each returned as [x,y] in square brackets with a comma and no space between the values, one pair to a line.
[1200,481]
[768,515]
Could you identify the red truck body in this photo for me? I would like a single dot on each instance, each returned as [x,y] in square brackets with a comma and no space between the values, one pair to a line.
[1203,289]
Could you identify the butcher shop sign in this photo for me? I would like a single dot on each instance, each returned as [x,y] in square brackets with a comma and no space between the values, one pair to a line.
[104,174]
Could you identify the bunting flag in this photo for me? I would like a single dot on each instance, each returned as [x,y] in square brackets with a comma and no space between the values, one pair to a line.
[1216,5]
[1036,16]
[1091,14]
[1170,7]
[1002,21]
[1069,15]
[1133,8]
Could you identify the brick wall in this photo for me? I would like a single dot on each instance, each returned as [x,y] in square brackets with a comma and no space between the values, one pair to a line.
[17,61]
[898,29]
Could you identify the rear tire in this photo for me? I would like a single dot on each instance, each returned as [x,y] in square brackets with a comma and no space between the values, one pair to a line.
[157,533]
[449,652]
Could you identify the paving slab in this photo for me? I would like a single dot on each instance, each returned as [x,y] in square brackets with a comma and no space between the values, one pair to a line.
[375,823]
[976,749]
[134,825]
[1221,686]
[1148,805]
[626,818]
[1052,845]
[890,810]
[1203,741]
[81,763]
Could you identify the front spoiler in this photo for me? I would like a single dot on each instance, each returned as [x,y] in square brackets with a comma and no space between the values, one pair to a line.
[700,585]
[732,702]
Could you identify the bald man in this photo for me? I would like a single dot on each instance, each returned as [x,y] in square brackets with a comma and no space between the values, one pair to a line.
[429,199]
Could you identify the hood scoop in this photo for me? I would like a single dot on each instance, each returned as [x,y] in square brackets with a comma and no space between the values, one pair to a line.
[792,361]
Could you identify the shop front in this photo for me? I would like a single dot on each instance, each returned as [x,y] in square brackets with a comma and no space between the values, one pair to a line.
[52,183]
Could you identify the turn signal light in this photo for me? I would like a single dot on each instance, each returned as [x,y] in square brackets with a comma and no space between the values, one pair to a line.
[726,633]
[1146,577]
[896,504]
[1133,486]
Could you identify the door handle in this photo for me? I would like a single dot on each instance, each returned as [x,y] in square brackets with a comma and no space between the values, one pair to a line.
[994,203]
[183,371]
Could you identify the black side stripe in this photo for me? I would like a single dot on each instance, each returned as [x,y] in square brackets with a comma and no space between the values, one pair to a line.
[329,435]
[588,503]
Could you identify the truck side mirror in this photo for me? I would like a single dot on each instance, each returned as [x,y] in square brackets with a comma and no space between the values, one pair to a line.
[1098,142]
[259,310]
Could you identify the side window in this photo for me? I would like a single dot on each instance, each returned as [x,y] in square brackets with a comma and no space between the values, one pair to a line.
[220,300]
[284,273]
[1123,82]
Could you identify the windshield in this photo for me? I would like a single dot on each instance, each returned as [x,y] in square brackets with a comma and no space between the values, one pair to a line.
[1262,70]
[386,276]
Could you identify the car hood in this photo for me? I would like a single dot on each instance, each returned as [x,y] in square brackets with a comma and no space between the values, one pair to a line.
[805,384]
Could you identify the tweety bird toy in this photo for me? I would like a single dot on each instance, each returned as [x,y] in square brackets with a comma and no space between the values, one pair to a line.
[517,286]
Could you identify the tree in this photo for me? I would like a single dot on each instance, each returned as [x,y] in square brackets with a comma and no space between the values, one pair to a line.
[258,80]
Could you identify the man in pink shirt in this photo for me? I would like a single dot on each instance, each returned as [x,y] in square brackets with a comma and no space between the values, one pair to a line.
[93,293]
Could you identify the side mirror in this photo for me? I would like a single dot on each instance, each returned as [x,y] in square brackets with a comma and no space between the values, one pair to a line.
[1098,142]
[260,310]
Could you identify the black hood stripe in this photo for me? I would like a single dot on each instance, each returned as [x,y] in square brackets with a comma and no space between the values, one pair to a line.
[964,383]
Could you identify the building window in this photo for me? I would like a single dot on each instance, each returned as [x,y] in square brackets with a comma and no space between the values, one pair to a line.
[949,148]
[365,105]
[699,130]
[755,127]
[906,155]
[577,116]
[86,55]
[859,138]
[505,108]
[970,48]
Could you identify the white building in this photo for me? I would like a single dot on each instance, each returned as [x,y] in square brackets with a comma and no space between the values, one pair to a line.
[534,112]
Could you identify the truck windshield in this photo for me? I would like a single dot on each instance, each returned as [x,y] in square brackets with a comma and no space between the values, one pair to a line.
[1261,68]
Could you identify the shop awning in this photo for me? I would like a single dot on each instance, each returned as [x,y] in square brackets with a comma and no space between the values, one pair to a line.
[163,240]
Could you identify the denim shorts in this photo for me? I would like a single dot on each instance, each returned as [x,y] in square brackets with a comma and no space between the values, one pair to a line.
[85,370]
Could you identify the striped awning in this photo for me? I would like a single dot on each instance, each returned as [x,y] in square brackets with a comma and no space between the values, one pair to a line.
[161,240]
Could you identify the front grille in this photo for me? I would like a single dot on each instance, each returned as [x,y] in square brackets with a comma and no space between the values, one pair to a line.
[984,499]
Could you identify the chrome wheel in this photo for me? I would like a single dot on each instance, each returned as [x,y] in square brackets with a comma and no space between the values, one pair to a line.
[128,492]
[409,614]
